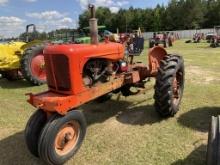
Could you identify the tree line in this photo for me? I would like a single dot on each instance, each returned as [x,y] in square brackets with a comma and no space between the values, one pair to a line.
[177,15]
[59,34]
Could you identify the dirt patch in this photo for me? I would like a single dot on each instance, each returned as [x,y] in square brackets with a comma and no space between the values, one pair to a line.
[199,75]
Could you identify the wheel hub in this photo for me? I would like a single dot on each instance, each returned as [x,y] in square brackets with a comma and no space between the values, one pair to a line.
[67,138]
[38,67]
[176,88]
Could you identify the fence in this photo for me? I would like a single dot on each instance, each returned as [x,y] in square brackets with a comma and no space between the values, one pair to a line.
[183,34]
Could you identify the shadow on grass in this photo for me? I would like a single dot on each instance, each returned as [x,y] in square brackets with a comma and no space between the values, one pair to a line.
[200,118]
[197,157]
[14,84]
[14,151]
[125,112]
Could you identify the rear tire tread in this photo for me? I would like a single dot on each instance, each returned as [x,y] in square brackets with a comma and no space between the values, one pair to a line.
[213,149]
[25,64]
[163,87]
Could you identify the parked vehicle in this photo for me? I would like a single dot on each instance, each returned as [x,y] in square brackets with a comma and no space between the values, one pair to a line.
[80,73]
[209,36]
[164,39]
[23,59]
[215,41]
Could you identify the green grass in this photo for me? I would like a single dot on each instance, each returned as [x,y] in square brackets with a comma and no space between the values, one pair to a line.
[129,131]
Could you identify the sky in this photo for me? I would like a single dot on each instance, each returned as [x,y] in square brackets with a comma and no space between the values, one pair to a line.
[54,14]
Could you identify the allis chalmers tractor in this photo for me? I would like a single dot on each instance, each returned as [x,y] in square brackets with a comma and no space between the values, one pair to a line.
[23,59]
[80,73]
[197,37]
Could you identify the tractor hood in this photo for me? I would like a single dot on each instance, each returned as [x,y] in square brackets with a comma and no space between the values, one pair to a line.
[10,54]
[111,51]
[65,63]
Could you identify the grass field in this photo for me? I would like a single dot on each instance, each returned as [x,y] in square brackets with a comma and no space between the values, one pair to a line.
[129,131]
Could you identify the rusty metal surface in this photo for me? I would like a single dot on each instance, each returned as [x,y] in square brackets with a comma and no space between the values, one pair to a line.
[156,54]
[53,102]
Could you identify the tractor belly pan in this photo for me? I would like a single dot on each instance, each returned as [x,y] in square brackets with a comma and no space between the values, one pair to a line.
[54,102]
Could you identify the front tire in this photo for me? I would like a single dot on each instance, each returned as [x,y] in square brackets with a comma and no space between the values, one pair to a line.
[169,85]
[33,129]
[213,150]
[62,137]
[33,65]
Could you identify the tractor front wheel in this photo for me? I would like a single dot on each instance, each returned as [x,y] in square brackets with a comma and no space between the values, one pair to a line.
[33,130]
[33,65]
[213,150]
[169,85]
[62,137]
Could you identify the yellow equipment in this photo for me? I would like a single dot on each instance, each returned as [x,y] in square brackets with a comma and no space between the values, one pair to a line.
[10,54]
[23,59]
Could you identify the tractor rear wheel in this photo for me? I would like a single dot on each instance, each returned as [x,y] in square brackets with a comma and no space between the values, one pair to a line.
[169,85]
[33,65]
[62,137]
[213,151]
[33,129]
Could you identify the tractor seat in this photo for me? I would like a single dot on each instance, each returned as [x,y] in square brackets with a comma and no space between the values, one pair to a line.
[137,46]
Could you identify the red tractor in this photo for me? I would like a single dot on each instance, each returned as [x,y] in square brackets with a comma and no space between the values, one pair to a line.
[215,40]
[166,39]
[80,73]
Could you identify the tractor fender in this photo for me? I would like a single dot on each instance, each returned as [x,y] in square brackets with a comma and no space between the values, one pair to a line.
[155,55]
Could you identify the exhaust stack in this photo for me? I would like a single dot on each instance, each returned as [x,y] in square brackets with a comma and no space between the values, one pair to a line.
[93,24]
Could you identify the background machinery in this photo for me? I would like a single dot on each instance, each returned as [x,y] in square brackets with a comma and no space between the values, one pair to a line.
[215,40]
[23,59]
[165,39]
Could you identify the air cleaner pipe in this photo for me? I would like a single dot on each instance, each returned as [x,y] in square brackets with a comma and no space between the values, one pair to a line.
[93,24]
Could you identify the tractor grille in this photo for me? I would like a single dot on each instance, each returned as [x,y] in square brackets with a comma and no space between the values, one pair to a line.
[58,75]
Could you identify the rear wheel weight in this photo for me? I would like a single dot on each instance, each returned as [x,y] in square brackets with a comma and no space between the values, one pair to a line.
[62,137]
[169,85]
[213,150]
[33,129]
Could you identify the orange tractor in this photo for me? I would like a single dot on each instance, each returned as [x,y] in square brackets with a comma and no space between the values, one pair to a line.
[80,73]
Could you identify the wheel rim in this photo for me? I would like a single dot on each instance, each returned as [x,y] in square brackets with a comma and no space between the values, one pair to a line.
[177,87]
[38,67]
[67,138]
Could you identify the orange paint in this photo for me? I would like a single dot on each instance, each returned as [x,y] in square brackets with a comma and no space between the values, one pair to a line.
[156,54]
[64,67]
